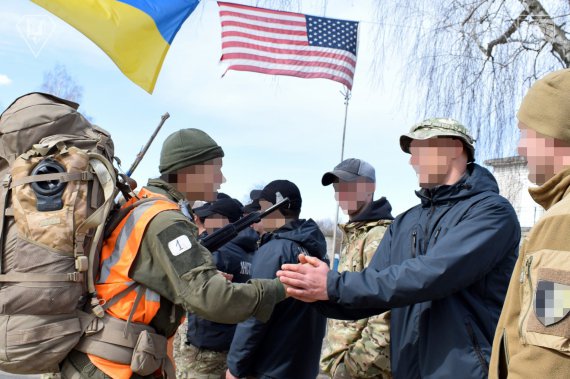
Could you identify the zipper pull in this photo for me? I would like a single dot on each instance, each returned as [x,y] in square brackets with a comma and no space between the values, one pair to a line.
[436,234]
[528,263]
[526,271]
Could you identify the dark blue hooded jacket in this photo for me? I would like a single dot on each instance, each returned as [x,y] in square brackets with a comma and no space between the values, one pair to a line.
[288,346]
[443,267]
[233,258]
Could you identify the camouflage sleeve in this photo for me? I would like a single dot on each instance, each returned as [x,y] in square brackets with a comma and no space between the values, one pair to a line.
[369,355]
[173,263]
[354,341]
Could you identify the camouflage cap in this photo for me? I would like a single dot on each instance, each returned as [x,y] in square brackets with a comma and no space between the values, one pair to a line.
[187,147]
[439,127]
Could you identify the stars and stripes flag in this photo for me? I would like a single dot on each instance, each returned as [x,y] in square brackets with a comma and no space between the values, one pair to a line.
[284,43]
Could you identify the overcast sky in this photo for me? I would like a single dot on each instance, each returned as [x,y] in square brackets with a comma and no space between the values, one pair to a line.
[269,127]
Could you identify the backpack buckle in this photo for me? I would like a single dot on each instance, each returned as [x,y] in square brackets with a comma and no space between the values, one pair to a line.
[7,181]
[74,277]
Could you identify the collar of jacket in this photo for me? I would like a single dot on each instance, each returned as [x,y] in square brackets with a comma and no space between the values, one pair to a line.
[553,190]
[476,179]
[285,228]
[165,188]
[377,210]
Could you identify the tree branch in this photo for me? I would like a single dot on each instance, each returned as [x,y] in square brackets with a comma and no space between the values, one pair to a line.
[504,38]
[552,32]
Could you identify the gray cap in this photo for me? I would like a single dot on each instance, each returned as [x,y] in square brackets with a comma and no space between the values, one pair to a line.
[349,170]
[439,127]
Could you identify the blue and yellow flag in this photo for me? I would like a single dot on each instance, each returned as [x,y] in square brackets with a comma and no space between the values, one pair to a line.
[135,34]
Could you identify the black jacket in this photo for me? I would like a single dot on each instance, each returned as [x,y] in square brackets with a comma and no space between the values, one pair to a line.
[288,346]
[443,267]
[233,258]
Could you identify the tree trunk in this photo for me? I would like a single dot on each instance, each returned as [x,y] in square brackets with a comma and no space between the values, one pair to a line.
[553,34]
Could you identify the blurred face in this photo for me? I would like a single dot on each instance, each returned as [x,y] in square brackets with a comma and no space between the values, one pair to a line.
[546,156]
[199,225]
[273,221]
[354,196]
[201,181]
[432,159]
[215,222]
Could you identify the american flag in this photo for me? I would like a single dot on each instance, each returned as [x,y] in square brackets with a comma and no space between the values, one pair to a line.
[284,43]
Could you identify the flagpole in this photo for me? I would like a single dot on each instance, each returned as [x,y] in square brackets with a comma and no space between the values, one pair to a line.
[346,93]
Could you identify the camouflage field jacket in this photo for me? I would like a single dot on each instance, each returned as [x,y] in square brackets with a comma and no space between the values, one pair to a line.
[363,346]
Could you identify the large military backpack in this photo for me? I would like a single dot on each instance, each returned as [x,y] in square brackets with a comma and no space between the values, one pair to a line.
[56,191]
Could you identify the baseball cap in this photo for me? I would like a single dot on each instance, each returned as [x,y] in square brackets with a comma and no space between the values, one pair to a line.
[227,207]
[350,170]
[439,127]
[254,205]
[277,190]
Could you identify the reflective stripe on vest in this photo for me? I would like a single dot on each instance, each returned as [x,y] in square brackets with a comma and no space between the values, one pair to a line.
[117,256]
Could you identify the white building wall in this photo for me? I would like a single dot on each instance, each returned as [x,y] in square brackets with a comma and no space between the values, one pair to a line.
[512,176]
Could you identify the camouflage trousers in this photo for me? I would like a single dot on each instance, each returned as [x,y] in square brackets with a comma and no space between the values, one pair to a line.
[194,363]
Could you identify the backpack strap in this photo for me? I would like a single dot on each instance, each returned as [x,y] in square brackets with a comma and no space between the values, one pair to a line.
[33,277]
[6,181]
[62,177]
[104,171]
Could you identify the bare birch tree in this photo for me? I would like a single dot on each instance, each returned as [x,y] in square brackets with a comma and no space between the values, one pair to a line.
[474,59]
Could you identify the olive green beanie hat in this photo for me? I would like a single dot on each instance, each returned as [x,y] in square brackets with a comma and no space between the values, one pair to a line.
[187,147]
[546,106]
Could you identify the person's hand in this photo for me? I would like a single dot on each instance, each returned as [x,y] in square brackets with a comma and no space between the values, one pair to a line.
[306,281]
[229,375]
[229,277]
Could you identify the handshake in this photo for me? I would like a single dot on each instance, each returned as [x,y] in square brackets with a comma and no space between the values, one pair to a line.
[306,280]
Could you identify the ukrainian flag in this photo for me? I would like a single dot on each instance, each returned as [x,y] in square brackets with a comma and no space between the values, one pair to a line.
[135,34]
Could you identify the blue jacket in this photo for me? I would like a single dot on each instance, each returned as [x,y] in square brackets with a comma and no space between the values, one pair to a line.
[443,268]
[233,258]
[288,346]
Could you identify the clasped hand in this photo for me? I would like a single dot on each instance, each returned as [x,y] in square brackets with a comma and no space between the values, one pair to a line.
[307,280]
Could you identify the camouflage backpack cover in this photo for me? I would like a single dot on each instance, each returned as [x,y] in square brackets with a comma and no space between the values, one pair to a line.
[56,192]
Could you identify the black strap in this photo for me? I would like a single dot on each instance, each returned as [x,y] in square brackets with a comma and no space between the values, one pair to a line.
[5,191]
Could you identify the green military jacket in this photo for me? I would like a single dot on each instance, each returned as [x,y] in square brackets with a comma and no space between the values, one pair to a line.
[361,347]
[189,280]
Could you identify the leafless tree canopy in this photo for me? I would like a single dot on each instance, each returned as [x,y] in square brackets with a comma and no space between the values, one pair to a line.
[60,83]
[474,59]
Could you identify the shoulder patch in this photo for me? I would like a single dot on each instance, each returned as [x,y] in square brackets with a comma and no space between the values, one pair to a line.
[179,245]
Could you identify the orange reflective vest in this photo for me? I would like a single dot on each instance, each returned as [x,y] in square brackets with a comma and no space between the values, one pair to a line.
[118,254]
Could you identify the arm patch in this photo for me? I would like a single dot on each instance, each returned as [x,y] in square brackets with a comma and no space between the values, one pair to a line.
[183,250]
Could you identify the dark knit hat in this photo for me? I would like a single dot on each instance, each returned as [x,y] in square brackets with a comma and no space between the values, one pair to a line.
[187,147]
